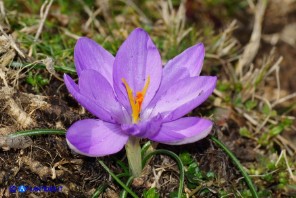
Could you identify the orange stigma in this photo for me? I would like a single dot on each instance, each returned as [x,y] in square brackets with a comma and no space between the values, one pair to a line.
[136,102]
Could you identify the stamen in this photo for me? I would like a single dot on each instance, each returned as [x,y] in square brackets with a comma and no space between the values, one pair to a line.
[136,102]
[141,94]
[131,98]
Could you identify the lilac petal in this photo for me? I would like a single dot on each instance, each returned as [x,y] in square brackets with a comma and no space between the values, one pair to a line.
[184,96]
[136,59]
[192,59]
[90,55]
[187,64]
[175,75]
[183,131]
[94,86]
[143,129]
[95,138]
[87,102]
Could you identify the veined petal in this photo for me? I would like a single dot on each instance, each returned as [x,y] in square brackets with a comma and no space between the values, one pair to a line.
[89,103]
[136,60]
[184,96]
[191,59]
[95,138]
[183,131]
[90,55]
[174,76]
[143,129]
[187,64]
[93,85]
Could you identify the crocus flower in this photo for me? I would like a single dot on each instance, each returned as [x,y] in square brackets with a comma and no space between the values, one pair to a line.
[132,95]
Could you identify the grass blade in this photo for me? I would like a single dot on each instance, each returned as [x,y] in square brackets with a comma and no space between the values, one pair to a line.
[38,132]
[118,180]
[124,192]
[100,190]
[176,158]
[238,165]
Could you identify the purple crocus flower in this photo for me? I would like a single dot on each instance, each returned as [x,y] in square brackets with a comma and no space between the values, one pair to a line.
[133,96]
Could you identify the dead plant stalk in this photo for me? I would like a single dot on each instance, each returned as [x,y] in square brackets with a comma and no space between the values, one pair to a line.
[43,15]
[254,43]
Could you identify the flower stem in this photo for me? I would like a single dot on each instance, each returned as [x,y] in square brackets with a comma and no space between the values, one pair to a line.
[133,152]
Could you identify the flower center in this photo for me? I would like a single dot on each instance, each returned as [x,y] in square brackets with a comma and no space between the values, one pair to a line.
[136,102]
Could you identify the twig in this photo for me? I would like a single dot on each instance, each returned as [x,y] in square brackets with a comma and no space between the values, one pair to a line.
[157,177]
[36,167]
[254,43]
[247,116]
[268,117]
[138,10]
[2,11]
[43,16]
[2,76]
[262,175]
[92,17]
[21,117]
[225,44]
[12,43]
[287,143]
[276,67]
[251,4]
[174,20]
[70,34]
[284,99]
[283,154]
[48,62]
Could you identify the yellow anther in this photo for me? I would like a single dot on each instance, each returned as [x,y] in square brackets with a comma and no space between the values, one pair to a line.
[136,102]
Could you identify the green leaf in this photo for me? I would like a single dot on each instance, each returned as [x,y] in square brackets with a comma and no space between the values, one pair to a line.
[264,193]
[210,175]
[266,110]
[193,168]
[245,132]
[263,140]
[268,177]
[238,101]
[276,130]
[246,193]
[151,193]
[193,173]
[31,80]
[186,158]
[223,86]
[123,166]
[287,122]
[238,87]
[250,104]
[174,194]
